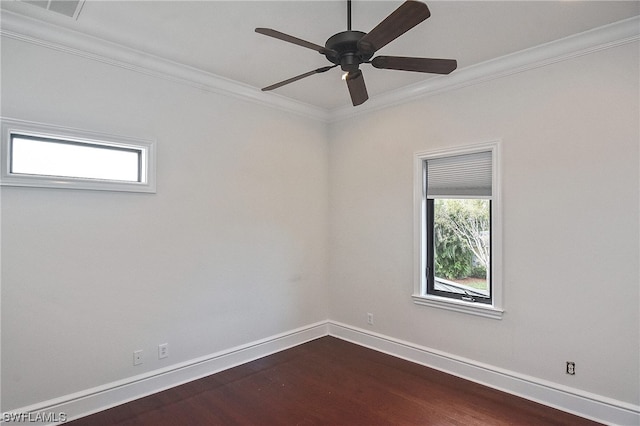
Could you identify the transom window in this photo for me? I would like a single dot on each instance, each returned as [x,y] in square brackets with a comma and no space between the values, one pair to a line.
[33,155]
[40,155]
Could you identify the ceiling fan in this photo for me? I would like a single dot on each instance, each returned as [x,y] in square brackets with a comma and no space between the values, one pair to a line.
[350,48]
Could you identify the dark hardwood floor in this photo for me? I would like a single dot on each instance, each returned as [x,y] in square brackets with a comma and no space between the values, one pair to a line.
[331,382]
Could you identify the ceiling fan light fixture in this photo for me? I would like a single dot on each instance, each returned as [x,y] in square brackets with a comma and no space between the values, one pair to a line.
[348,49]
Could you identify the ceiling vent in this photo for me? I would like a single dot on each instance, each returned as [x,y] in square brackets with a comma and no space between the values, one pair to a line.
[70,8]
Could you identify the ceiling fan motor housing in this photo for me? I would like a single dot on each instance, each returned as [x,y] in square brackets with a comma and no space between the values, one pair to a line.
[345,44]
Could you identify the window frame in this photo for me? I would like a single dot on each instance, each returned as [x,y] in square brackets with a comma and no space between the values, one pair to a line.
[420,295]
[57,134]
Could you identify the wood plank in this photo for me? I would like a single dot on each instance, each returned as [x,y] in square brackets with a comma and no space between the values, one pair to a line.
[331,382]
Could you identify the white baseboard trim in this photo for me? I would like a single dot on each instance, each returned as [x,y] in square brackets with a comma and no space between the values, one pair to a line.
[84,403]
[100,398]
[575,401]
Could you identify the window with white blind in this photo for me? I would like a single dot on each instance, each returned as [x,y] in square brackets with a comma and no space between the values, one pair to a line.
[458,238]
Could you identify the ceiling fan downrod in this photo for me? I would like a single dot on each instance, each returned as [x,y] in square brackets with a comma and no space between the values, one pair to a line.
[342,48]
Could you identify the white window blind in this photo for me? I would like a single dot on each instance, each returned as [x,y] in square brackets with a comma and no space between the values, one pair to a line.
[460,175]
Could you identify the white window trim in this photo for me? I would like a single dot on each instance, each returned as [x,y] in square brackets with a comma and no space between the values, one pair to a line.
[495,310]
[13,126]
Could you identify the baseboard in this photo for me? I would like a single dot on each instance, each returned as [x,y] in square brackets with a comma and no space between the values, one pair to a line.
[69,407]
[97,399]
[575,401]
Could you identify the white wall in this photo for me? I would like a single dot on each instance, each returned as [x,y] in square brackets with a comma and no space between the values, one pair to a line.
[570,136]
[265,221]
[231,249]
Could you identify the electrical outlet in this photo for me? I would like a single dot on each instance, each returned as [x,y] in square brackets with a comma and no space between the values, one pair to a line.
[369,318]
[571,368]
[163,350]
[137,357]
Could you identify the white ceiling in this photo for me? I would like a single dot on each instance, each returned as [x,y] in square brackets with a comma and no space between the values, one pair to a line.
[218,36]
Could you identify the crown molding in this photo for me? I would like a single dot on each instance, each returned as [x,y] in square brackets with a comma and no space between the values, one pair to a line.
[597,39]
[29,30]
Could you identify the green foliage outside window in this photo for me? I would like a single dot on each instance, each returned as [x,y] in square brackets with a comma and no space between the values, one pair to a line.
[461,233]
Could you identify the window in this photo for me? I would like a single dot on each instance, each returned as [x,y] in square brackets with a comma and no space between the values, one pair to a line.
[458,238]
[48,156]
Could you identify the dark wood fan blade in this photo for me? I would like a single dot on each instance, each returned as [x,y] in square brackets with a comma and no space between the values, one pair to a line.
[295,40]
[407,16]
[435,66]
[357,88]
[299,77]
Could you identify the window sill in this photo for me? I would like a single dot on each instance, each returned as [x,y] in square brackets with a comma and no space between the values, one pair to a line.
[471,308]
[74,183]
